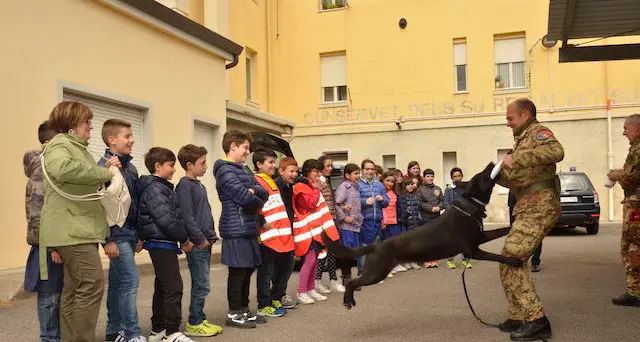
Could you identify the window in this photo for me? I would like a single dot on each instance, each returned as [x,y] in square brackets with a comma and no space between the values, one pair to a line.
[180,6]
[334,78]
[388,161]
[510,63]
[449,161]
[332,4]
[251,76]
[339,158]
[460,64]
[501,153]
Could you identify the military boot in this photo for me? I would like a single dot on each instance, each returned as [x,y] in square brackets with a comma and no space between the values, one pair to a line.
[626,300]
[532,331]
[510,325]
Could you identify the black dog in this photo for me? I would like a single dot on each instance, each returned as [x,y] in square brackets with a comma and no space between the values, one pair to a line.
[458,230]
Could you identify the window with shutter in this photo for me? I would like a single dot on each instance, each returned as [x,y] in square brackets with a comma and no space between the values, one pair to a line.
[510,63]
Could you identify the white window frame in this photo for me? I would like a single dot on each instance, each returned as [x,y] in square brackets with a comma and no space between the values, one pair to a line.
[466,71]
[395,161]
[510,64]
[334,87]
[335,95]
[333,2]
[249,76]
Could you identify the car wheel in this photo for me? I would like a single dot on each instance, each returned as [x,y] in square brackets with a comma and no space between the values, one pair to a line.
[593,228]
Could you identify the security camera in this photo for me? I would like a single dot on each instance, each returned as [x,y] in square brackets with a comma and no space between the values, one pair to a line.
[398,123]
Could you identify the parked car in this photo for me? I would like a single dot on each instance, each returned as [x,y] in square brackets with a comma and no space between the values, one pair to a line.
[579,201]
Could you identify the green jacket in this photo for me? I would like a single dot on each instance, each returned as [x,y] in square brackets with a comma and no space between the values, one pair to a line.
[65,222]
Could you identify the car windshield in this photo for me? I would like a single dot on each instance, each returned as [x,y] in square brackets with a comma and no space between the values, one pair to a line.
[573,183]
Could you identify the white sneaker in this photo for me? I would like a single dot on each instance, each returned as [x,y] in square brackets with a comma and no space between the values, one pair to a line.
[178,337]
[321,288]
[316,296]
[397,269]
[157,336]
[336,286]
[138,339]
[415,266]
[305,299]
[407,266]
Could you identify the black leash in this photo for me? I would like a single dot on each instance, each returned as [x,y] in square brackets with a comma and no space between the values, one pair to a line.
[466,294]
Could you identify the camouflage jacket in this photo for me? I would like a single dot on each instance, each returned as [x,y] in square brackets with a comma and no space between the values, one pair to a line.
[630,176]
[535,154]
[34,197]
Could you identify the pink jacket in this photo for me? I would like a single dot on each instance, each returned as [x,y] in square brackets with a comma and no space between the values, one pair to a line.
[389,215]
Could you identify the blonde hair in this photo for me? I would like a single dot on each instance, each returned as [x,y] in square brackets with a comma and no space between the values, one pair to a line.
[67,115]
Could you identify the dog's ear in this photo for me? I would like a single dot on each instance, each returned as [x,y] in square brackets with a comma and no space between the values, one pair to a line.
[489,167]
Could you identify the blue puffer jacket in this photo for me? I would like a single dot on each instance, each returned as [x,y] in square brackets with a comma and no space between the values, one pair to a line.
[130,175]
[159,216]
[239,205]
[412,216]
[367,189]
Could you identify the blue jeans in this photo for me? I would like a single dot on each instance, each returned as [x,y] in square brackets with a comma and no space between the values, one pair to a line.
[122,313]
[49,316]
[273,275]
[199,261]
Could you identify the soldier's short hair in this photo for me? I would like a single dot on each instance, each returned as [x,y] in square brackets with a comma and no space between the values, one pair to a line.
[526,104]
[634,119]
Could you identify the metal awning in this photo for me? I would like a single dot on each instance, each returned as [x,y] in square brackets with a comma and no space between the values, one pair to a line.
[583,19]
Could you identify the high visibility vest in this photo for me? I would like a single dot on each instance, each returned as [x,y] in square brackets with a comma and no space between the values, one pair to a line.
[309,226]
[278,237]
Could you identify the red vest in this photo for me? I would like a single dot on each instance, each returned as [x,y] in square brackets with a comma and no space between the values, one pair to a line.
[278,237]
[309,226]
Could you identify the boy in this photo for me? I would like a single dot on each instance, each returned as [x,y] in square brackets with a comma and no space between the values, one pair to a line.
[122,314]
[196,211]
[48,290]
[161,227]
[451,194]
[288,170]
[275,236]
[431,203]
[241,198]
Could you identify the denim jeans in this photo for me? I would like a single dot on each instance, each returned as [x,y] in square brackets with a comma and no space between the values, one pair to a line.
[273,275]
[122,313]
[49,316]
[199,261]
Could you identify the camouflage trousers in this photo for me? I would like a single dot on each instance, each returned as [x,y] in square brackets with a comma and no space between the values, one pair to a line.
[527,232]
[630,247]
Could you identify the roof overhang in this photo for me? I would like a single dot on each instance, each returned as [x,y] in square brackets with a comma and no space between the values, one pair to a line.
[597,20]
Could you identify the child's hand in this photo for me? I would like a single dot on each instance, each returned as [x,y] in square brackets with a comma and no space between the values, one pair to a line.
[204,245]
[383,226]
[139,246]
[346,208]
[348,219]
[253,192]
[369,201]
[267,226]
[111,250]
[188,247]
[379,198]
[56,258]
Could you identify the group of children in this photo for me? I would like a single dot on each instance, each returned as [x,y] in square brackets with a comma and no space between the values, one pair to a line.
[264,224]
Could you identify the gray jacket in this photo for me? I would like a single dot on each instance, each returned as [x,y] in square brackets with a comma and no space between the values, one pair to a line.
[348,193]
[430,196]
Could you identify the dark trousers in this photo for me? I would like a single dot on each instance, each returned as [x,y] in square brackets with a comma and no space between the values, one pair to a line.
[535,259]
[238,283]
[273,275]
[167,297]
[327,264]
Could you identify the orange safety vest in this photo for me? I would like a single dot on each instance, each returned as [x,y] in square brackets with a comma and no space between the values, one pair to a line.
[278,237]
[309,226]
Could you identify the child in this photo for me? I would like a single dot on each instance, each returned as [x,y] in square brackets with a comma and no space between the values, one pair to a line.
[161,227]
[452,194]
[288,170]
[122,314]
[276,239]
[398,188]
[390,226]
[373,198]
[241,198]
[379,172]
[311,218]
[349,215]
[198,219]
[48,290]
[412,214]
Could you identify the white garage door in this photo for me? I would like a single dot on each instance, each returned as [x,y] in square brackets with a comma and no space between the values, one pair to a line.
[104,110]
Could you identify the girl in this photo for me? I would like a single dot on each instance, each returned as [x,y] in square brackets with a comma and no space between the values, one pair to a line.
[399,189]
[390,226]
[412,214]
[349,215]
[413,170]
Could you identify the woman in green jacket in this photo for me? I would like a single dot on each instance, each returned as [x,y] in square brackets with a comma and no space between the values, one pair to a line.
[74,228]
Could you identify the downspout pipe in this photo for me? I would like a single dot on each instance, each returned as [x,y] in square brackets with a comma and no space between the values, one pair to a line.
[232,64]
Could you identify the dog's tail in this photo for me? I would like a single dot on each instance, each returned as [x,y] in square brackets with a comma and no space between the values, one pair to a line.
[343,252]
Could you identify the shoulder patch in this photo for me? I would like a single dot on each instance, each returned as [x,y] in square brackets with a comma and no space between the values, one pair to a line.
[544,135]
[436,192]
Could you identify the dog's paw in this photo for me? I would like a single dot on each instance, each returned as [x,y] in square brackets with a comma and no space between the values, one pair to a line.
[347,305]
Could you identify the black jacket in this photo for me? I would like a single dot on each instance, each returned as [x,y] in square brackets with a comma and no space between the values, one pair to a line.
[159,216]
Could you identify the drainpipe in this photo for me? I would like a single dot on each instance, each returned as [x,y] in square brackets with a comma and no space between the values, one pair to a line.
[610,157]
[232,64]
[269,66]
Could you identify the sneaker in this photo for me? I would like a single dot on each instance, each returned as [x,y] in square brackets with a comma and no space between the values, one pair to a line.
[213,326]
[288,302]
[321,288]
[270,311]
[178,337]
[466,263]
[390,275]
[434,264]
[253,317]
[401,268]
[201,330]
[138,339]
[415,266]
[157,336]
[305,299]
[407,266]
[316,296]
[452,264]
[336,286]
[239,320]
[117,337]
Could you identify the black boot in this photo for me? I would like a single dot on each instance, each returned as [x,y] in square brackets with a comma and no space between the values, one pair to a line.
[626,300]
[532,331]
[510,325]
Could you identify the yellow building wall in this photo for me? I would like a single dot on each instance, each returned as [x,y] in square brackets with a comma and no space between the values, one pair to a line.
[89,44]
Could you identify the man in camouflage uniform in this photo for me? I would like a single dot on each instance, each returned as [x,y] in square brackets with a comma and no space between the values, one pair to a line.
[629,179]
[530,173]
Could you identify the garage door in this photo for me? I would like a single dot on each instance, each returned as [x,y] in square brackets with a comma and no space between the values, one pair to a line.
[104,110]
